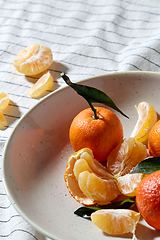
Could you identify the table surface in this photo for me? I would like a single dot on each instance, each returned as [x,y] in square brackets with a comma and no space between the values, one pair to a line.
[87,38]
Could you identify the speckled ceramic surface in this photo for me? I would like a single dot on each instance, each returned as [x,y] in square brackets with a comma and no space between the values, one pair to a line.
[36,153]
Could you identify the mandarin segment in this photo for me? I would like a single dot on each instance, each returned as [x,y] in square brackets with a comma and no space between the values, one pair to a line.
[41,86]
[3,121]
[147,117]
[129,183]
[96,166]
[116,221]
[80,165]
[4,101]
[101,190]
[82,183]
[139,153]
[71,181]
[100,135]
[125,157]
[120,154]
[33,60]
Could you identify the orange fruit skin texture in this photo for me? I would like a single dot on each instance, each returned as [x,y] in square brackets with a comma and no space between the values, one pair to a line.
[148,199]
[100,135]
[154,140]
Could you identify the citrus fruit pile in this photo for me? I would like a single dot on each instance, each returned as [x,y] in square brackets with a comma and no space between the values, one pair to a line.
[148,192]
[34,60]
[98,173]
[4,102]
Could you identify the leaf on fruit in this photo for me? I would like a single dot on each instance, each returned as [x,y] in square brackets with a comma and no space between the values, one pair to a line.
[92,95]
[147,166]
[85,212]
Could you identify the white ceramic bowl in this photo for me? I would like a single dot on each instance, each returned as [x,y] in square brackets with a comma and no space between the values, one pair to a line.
[36,154]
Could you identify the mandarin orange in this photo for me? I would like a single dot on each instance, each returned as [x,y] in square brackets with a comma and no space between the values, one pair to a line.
[100,135]
[88,181]
[125,156]
[33,60]
[154,140]
[148,199]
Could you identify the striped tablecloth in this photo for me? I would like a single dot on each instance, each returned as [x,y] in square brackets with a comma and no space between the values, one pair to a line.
[88,38]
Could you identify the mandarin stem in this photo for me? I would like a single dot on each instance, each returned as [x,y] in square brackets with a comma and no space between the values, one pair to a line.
[94,111]
[68,81]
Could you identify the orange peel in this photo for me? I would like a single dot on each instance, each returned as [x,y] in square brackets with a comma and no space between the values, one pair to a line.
[81,179]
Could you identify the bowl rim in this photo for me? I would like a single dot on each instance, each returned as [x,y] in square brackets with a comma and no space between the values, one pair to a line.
[4,153]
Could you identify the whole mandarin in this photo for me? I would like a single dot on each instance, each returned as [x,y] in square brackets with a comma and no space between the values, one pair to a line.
[154,140]
[100,135]
[148,199]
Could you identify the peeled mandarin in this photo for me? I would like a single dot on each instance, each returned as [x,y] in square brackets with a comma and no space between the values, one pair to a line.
[33,60]
[88,181]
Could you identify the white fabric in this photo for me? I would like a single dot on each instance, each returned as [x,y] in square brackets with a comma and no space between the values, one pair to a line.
[88,38]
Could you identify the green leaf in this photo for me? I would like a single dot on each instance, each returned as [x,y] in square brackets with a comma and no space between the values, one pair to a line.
[85,212]
[92,95]
[147,166]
